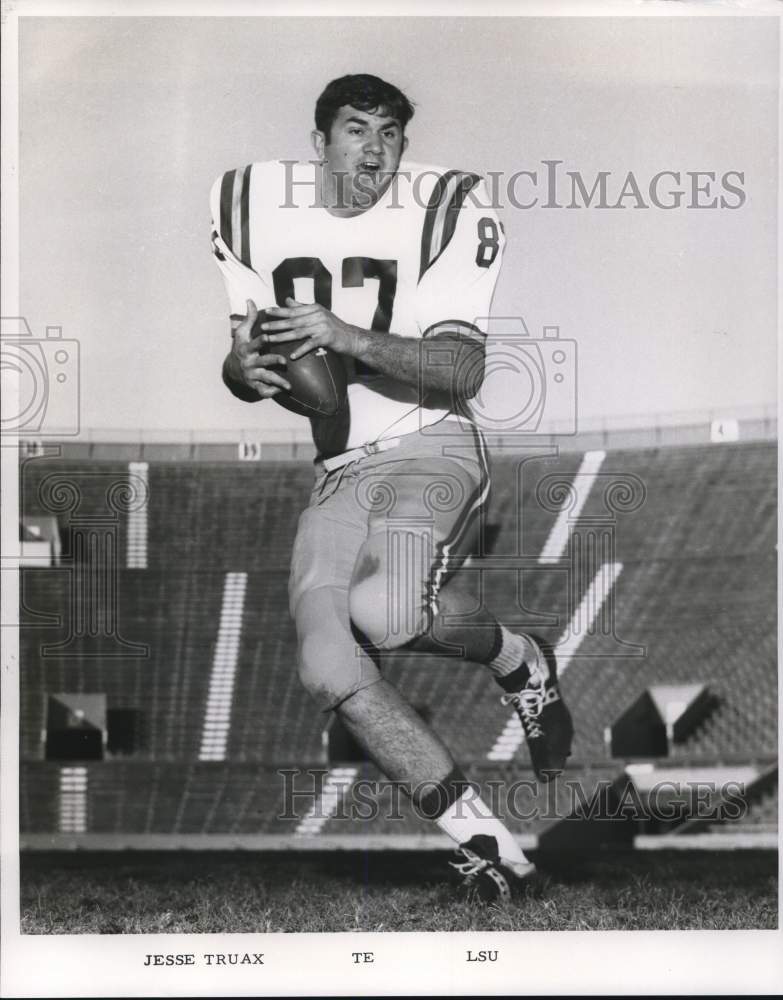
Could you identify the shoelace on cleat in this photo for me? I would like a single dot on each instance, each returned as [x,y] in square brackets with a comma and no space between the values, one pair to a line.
[529,702]
[472,865]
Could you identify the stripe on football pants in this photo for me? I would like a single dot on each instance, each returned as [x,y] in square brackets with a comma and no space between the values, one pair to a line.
[442,564]
[440,219]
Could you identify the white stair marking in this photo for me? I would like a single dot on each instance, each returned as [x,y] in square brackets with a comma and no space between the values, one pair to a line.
[217,716]
[583,483]
[336,784]
[73,799]
[137,519]
[588,611]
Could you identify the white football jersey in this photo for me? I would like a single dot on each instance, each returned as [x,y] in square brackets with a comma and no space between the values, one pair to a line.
[424,259]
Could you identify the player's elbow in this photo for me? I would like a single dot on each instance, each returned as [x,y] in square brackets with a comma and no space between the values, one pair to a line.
[455,368]
[469,374]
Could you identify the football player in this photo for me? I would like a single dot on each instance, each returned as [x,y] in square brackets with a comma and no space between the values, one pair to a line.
[388,263]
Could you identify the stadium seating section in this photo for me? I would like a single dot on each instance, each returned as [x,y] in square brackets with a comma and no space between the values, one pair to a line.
[695,602]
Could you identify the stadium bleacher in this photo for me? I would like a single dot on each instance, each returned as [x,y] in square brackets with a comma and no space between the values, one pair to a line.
[695,602]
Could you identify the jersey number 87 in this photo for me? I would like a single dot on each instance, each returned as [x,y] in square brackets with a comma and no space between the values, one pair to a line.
[355,271]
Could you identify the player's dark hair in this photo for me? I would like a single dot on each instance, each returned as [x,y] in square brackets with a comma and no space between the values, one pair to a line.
[365,93]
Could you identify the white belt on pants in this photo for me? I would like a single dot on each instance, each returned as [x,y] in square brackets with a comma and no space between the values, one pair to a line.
[371,448]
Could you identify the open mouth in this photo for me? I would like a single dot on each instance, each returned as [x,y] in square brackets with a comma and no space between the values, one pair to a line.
[370,167]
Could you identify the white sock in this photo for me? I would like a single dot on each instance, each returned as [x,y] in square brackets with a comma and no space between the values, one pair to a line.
[514,649]
[469,816]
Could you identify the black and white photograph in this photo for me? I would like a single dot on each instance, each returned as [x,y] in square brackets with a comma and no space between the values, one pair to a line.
[390,499]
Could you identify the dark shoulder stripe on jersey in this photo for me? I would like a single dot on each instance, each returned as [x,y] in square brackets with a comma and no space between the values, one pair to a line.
[244,212]
[459,326]
[235,212]
[226,196]
[442,212]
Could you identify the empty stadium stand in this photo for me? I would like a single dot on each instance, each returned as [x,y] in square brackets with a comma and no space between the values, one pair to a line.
[694,603]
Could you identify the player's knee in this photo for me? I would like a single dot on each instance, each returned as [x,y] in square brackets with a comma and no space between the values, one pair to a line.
[388,620]
[331,666]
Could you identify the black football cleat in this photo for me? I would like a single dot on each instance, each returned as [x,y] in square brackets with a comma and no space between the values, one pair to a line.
[545,719]
[487,876]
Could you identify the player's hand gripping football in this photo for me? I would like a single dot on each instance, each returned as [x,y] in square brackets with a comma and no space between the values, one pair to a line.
[314,324]
[250,365]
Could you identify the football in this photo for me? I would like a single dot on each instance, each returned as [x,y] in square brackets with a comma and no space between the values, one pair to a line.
[318,380]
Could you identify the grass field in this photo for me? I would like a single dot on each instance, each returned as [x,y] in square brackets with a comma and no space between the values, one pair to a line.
[143,893]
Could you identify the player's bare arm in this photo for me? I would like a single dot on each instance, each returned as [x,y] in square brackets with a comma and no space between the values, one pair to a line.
[246,371]
[408,360]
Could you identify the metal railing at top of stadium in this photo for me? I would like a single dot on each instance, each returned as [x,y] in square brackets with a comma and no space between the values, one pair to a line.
[767,764]
[259,444]
[300,433]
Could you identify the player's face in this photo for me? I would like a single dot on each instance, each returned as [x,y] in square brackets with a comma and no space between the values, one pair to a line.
[362,153]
